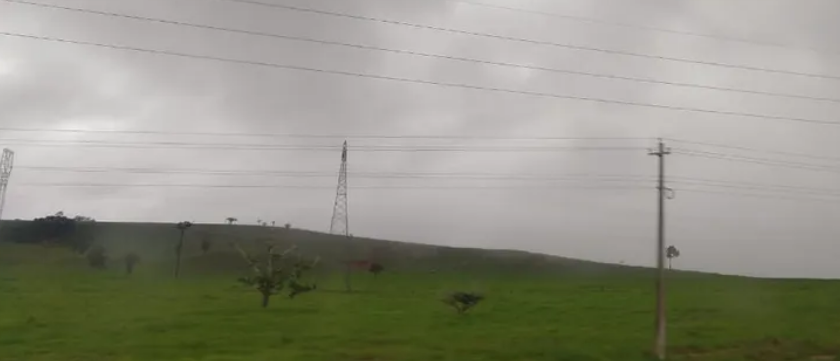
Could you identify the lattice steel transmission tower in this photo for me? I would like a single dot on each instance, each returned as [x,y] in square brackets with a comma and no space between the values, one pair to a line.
[340,224]
[7,162]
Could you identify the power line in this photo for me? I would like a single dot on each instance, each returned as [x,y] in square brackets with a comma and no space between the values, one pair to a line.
[425,82]
[386,175]
[304,136]
[756,186]
[419,175]
[442,176]
[458,188]
[778,194]
[755,195]
[428,55]
[735,147]
[763,161]
[240,186]
[287,147]
[528,41]
[642,27]
[397,137]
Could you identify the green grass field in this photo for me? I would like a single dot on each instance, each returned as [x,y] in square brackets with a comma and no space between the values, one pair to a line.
[53,307]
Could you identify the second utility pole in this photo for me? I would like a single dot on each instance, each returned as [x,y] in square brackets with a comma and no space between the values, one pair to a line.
[660,343]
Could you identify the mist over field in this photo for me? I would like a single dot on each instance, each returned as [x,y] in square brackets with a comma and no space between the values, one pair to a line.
[419,180]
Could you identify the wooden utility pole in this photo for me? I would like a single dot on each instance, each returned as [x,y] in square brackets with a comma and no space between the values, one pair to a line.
[660,343]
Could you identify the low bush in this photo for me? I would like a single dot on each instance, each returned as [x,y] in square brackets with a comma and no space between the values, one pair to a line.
[97,257]
[463,301]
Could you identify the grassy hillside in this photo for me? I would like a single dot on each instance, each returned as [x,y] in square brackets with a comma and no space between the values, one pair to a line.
[155,244]
[53,307]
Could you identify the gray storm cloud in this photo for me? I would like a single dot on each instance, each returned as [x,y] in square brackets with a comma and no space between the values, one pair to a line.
[55,85]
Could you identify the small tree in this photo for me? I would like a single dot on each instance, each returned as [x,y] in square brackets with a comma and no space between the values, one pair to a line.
[96,257]
[376,269]
[82,218]
[288,226]
[277,272]
[672,252]
[182,227]
[231,220]
[206,244]
[294,283]
[463,301]
[131,260]
[76,232]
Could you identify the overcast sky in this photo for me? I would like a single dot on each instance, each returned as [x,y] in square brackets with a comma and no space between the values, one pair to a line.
[50,85]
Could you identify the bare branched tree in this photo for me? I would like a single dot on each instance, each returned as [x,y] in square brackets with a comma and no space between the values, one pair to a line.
[280,270]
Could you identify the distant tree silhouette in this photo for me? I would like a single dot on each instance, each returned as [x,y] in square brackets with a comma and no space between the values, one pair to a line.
[76,233]
[96,257]
[131,260]
[206,244]
[182,227]
[288,226]
[672,252]
[231,220]
[376,269]
[272,223]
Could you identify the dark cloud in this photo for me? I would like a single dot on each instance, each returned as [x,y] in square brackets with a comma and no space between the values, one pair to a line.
[46,85]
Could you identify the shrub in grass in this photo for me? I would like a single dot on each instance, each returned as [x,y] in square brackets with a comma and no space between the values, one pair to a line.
[206,245]
[376,269]
[131,260]
[96,257]
[278,271]
[463,301]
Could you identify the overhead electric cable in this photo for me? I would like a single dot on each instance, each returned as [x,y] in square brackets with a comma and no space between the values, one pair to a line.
[429,55]
[429,82]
